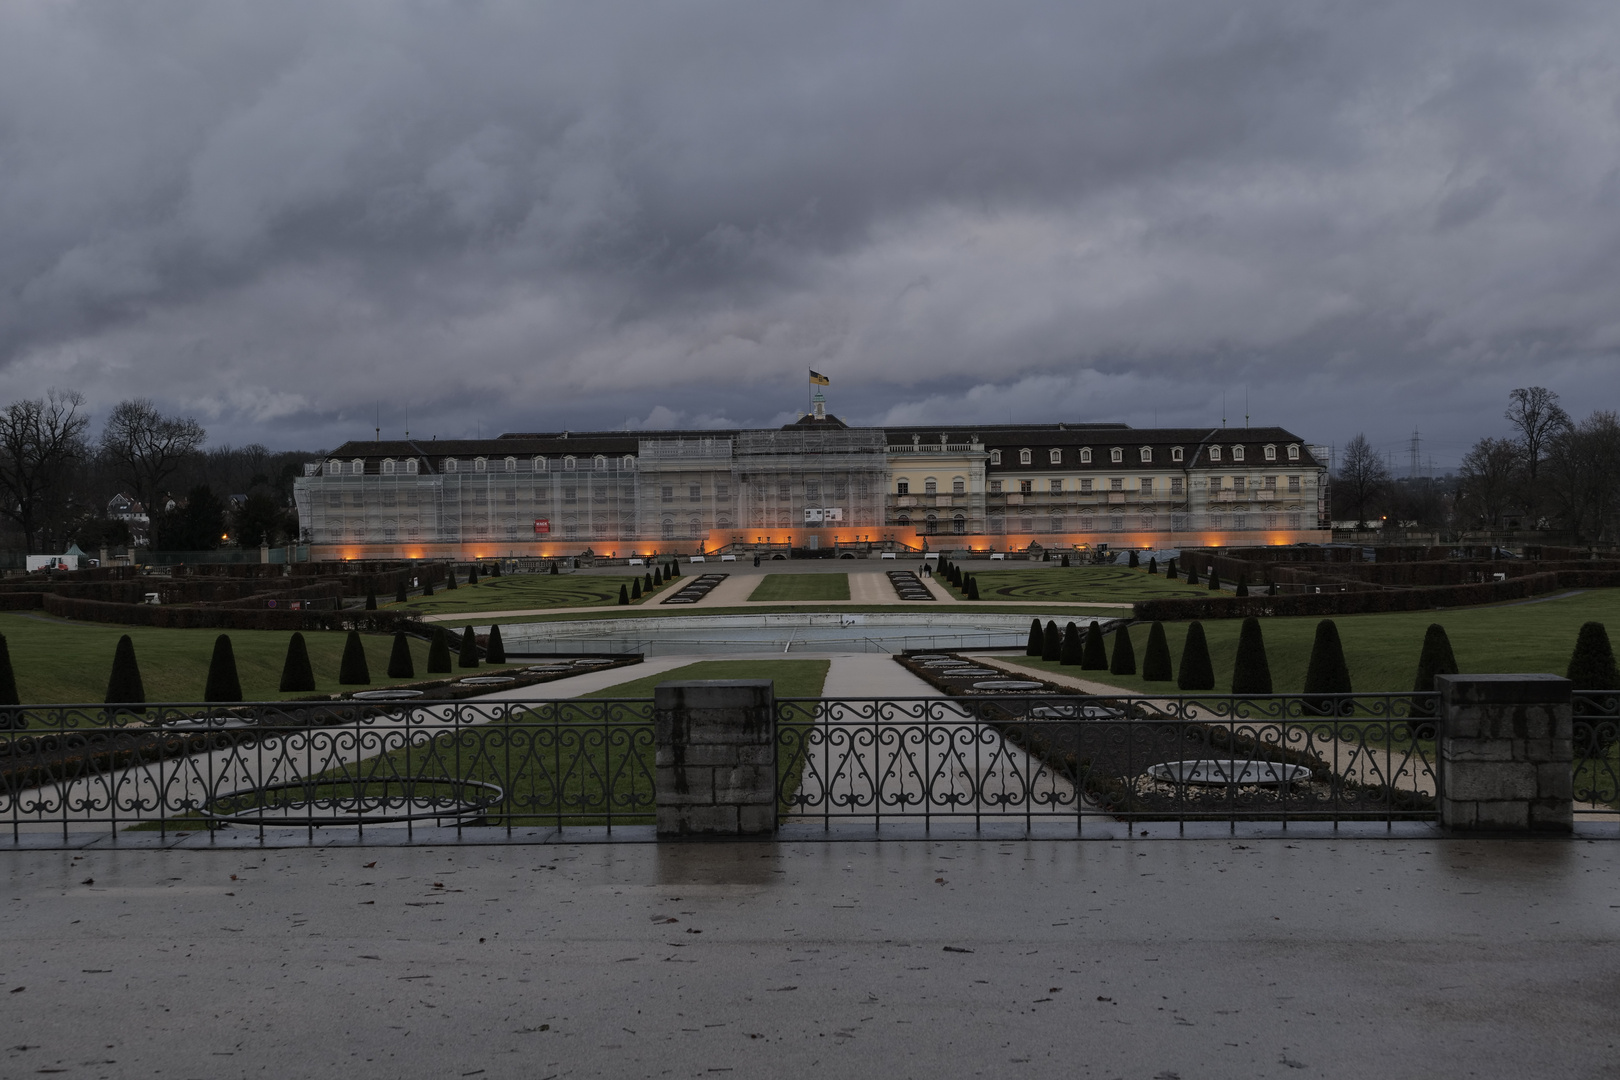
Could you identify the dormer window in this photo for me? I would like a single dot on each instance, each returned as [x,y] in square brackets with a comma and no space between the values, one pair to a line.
[358,466]
[600,463]
[480,464]
[1085,455]
[334,468]
[995,457]
[628,463]
[1175,453]
[1271,453]
[1147,454]
[1214,453]
[410,466]
[1237,453]
[1293,452]
[1055,457]
[387,467]
[569,464]
[1116,455]
[1025,457]
[539,464]
[450,465]
[511,464]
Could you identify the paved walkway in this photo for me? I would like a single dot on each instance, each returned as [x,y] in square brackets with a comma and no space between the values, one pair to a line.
[1139,959]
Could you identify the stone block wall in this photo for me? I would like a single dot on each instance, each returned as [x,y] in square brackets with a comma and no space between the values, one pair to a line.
[716,758]
[1506,753]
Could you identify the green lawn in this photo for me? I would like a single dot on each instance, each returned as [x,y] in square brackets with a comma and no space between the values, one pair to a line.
[1382,650]
[521,592]
[801,587]
[59,661]
[1100,584]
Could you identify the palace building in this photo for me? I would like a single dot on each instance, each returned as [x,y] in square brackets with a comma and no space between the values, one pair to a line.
[815,484]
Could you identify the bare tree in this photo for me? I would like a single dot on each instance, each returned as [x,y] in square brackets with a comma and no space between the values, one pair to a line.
[1535,411]
[1583,476]
[1362,478]
[145,447]
[39,441]
[1490,476]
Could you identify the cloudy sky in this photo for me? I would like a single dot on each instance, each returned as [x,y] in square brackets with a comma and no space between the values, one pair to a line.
[288,219]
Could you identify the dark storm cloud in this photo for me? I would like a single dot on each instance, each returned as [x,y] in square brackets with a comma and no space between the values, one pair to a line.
[290,218]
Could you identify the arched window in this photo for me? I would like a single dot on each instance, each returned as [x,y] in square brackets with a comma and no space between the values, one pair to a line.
[1271,453]
[1237,453]
[1214,453]
[1175,453]
[358,467]
[480,464]
[1116,455]
[387,467]
[1085,455]
[959,525]
[1147,454]
[1025,457]
[410,467]
[540,464]
[931,525]
[669,528]
[995,457]
[334,467]
[600,463]
[903,519]
[450,464]
[1055,456]
[930,486]
[628,463]
[1293,452]
[569,464]
[511,464]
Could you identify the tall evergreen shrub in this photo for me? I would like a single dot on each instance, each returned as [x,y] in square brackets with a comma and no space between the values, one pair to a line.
[1214,578]
[648,584]
[223,682]
[449,577]
[1192,573]
[1051,643]
[400,595]
[1242,586]
[1065,561]
[371,599]
[1251,673]
[1195,672]
[495,571]
[469,650]
[472,574]
[297,676]
[427,585]
[1153,564]
[1037,639]
[353,670]
[1170,568]
[1435,659]
[400,664]
[439,652]
[1156,660]
[1271,587]
[1327,672]
[635,588]
[624,595]
[1135,560]
[494,651]
[1073,649]
[1124,662]
[124,686]
[973,588]
[8,677]
[554,569]
[1591,665]
[1094,654]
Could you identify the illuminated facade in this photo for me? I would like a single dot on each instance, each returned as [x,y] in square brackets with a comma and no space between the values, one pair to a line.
[815,484]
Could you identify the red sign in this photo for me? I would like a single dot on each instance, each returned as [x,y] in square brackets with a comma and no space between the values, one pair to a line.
[542,526]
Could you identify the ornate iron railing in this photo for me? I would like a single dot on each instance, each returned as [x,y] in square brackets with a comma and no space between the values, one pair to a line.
[1597,752]
[168,768]
[1364,757]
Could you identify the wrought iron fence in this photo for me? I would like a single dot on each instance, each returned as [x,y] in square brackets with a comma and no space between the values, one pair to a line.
[191,767]
[1597,752]
[1364,757]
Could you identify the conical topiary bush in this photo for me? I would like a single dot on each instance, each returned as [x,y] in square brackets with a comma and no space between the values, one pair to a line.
[449,577]
[124,686]
[472,574]
[400,664]
[494,651]
[1436,658]
[1251,672]
[1153,564]
[8,677]
[1192,573]
[439,652]
[1073,648]
[554,569]
[1064,561]
[1124,661]
[399,594]
[1037,639]
[1135,560]
[635,588]
[297,676]
[469,650]
[1170,569]
[1591,665]
[1214,579]
[223,682]
[1242,586]
[371,599]
[427,585]
[647,583]
[1271,588]
[973,588]
[624,595]
[1327,672]
[1051,643]
[495,571]
[352,669]
[1195,672]
[1094,652]
[1156,659]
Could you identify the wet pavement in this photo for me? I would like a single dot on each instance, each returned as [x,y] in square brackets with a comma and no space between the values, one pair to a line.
[1146,958]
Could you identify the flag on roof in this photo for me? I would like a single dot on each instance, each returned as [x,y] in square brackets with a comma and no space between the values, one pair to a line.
[819,379]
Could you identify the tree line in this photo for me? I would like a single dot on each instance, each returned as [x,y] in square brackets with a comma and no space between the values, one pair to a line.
[56,481]
[1544,471]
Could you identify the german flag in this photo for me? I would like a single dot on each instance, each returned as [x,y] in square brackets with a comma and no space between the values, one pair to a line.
[818,379]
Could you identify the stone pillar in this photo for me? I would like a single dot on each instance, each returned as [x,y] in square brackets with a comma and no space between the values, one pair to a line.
[264,552]
[716,764]
[1506,753]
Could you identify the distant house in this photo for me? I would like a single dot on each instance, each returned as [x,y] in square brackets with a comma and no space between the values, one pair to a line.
[126,508]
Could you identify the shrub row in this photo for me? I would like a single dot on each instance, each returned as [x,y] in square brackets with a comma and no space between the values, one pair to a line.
[221,618]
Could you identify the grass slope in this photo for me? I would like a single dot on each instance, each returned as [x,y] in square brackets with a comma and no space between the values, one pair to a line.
[522,592]
[1382,650]
[1102,584]
[801,587]
[58,661]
